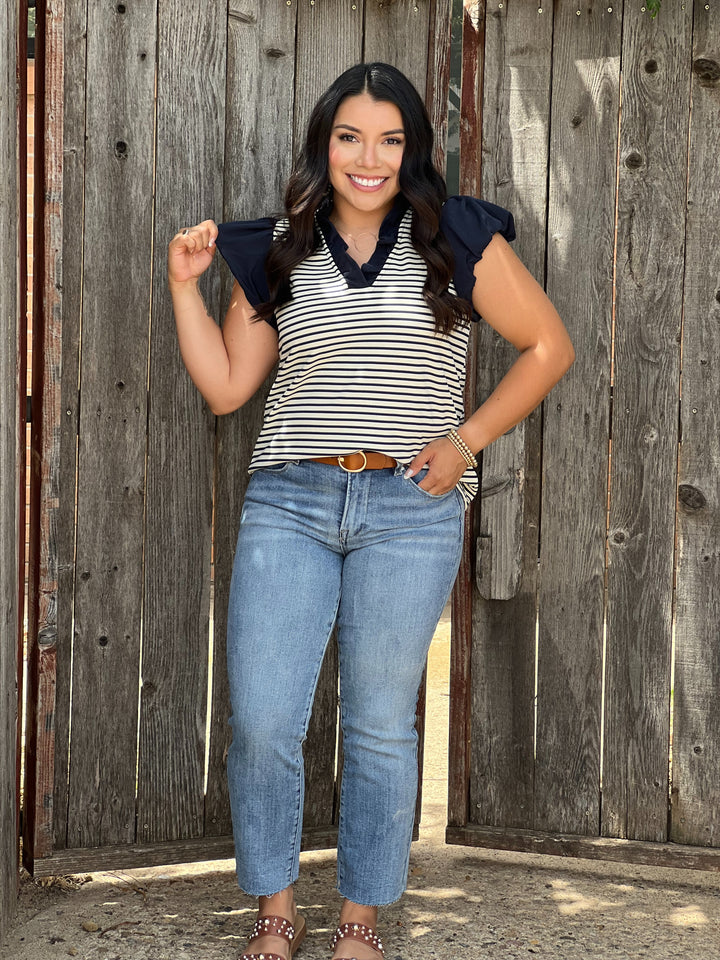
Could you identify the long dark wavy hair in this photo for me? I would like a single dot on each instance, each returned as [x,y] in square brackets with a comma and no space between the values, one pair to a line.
[420,183]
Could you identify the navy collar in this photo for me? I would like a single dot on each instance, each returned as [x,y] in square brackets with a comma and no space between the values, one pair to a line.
[387,237]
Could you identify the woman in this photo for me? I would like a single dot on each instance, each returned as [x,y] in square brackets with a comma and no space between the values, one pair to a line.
[361,475]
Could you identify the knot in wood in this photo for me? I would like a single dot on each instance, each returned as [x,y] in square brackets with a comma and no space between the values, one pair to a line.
[633,160]
[707,71]
[650,434]
[690,497]
[275,52]
[620,536]
[103,641]
[121,149]
[651,66]
[47,637]
[576,120]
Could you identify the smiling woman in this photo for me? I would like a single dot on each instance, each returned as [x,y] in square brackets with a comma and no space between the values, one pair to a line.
[364,291]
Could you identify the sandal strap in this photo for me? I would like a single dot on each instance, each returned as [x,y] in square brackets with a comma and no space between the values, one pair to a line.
[272,926]
[357,931]
[261,956]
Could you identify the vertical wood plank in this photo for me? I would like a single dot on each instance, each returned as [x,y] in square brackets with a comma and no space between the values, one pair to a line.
[586,63]
[650,265]
[112,426]
[65,37]
[438,76]
[330,39]
[22,101]
[188,188]
[397,33]
[696,728]
[519,45]
[47,508]
[260,73]
[515,135]
[10,452]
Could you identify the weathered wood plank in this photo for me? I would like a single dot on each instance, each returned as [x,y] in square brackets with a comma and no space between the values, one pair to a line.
[648,312]
[260,72]
[127,856]
[112,429]
[589,848]
[585,90]
[46,506]
[65,40]
[397,33]
[329,41]
[10,452]
[515,138]
[498,568]
[173,720]
[696,726]
[438,76]
[472,87]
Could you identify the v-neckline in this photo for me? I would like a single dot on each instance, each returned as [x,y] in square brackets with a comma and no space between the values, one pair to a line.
[354,276]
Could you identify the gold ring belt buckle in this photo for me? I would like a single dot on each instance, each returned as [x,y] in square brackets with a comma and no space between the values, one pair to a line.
[350,469]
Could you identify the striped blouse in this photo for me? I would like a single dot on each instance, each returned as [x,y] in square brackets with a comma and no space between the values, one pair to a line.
[360,365]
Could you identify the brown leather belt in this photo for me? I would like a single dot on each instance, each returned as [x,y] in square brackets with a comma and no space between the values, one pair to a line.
[359,461]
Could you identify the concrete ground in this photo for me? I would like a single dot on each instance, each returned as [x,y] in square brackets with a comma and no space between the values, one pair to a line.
[460,903]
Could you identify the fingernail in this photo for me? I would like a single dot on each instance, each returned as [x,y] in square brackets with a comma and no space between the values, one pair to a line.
[211,243]
[409,473]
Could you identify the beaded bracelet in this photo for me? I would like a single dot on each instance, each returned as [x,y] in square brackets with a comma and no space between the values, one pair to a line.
[462,448]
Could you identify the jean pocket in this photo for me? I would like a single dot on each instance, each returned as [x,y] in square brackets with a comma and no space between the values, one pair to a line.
[415,483]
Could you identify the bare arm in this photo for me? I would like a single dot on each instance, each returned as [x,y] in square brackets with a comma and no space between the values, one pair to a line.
[508,297]
[227,366]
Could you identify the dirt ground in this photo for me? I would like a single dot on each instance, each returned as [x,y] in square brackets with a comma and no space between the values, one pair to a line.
[460,903]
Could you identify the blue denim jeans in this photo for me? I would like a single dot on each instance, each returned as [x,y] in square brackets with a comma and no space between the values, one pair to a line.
[377,555]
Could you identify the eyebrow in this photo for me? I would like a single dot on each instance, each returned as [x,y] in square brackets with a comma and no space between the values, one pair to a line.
[346,126]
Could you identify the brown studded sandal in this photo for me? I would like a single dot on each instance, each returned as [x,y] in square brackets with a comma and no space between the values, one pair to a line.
[357,931]
[277,927]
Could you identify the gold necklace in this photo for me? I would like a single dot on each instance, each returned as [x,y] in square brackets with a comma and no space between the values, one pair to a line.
[356,239]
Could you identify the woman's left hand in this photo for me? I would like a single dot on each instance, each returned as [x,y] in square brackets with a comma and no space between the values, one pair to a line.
[444,463]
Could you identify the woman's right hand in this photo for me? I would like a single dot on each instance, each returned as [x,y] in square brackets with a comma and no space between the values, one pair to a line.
[191,251]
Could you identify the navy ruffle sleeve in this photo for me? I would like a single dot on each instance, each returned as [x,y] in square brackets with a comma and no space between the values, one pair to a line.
[469,225]
[244,244]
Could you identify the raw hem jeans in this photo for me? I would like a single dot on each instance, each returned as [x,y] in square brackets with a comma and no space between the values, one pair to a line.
[377,555]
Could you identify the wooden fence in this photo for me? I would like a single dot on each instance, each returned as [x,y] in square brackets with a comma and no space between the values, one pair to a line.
[600,521]
[575,116]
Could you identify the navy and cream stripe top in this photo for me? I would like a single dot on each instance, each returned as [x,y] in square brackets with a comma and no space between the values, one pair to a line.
[361,366]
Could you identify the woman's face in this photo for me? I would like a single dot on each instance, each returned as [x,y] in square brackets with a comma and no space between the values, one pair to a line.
[364,157]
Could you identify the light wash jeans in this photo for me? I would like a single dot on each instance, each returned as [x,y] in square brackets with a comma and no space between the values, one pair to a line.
[378,555]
